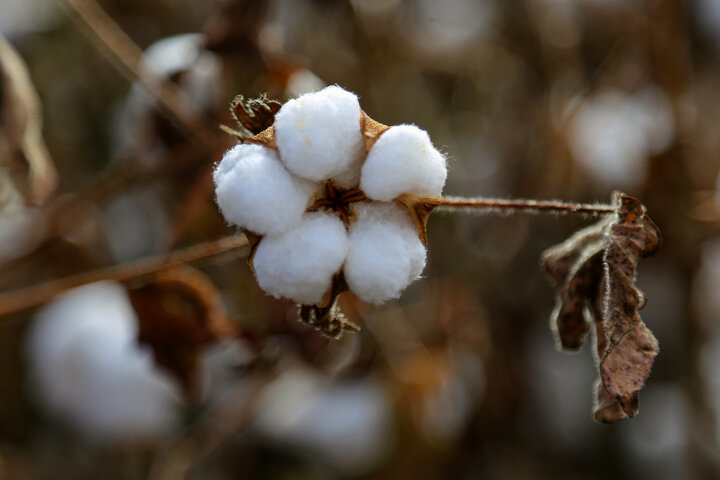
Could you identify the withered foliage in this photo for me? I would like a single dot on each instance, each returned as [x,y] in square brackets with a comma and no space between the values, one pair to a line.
[180,314]
[594,273]
[326,316]
[254,114]
[24,159]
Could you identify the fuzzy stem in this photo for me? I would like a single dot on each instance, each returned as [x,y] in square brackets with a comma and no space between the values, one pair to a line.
[127,56]
[531,206]
[21,299]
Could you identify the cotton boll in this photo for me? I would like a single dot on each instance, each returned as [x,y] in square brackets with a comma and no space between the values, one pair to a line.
[385,253]
[318,134]
[303,81]
[89,371]
[21,227]
[196,71]
[254,190]
[185,54]
[347,425]
[613,134]
[403,160]
[20,231]
[299,263]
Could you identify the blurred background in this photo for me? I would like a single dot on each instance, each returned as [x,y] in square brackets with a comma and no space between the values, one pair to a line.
[545,99]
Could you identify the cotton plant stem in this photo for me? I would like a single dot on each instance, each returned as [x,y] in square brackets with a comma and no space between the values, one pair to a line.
[528,206]
[127,56]
[17,300]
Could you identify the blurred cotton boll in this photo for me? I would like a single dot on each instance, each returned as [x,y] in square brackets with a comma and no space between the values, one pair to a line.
[89,372]
[21,228]
[345,424]
[658,437]
[709,365]
[303,81]
[20,231]
[613,134]
[26,16]
[708,14]
[135,223]
[182,59]
[561,409]
[443,27]
[705,284]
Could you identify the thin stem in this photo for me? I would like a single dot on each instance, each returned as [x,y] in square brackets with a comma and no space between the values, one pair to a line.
[534,206]
[17,300]
[127,56]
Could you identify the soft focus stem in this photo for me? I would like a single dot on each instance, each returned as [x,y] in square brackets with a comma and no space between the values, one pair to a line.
[17,300]
[127,56]
[528,206]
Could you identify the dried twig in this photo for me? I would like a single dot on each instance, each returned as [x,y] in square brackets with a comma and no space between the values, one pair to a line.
[17,300]
[528,206]
[127,56]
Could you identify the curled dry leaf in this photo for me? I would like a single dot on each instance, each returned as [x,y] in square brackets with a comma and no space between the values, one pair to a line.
[23,155]
[180,314]
[326,317]
[575,269]
[254,114]
[594,273]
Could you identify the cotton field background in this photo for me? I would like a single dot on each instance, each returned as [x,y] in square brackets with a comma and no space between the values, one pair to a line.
[193,371]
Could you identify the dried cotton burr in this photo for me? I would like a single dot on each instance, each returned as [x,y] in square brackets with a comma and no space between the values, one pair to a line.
[327,196]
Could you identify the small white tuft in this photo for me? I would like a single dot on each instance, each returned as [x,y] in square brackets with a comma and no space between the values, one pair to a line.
[254,190]
[403,160]
[385,253]
[299,264]
[318,134]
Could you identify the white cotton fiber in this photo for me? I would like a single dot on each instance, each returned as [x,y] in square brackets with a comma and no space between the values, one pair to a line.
[254,191]
[89,371]
[318,134]
[299,264]
[403,160]
[385,253]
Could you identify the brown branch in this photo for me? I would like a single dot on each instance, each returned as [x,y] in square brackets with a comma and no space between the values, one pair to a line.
[17,300]
[531,206]
[127,57]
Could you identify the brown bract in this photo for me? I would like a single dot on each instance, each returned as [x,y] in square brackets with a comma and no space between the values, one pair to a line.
[23,155]
[180,314]
[594,273]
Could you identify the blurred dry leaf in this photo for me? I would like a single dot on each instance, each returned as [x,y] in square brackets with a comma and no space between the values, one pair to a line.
[23,155]
[594,272]
[180,314]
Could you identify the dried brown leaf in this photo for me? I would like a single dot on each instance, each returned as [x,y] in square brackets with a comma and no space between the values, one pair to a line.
[575,269]
[23,155]
[180,314]
[632,347]
[326,316]
[254,114]
[594,273]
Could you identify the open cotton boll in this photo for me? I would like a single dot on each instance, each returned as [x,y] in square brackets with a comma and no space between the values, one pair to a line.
[318,134]
[385,253]
[403,160]
[299,263]
[89,371]
[254,190]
